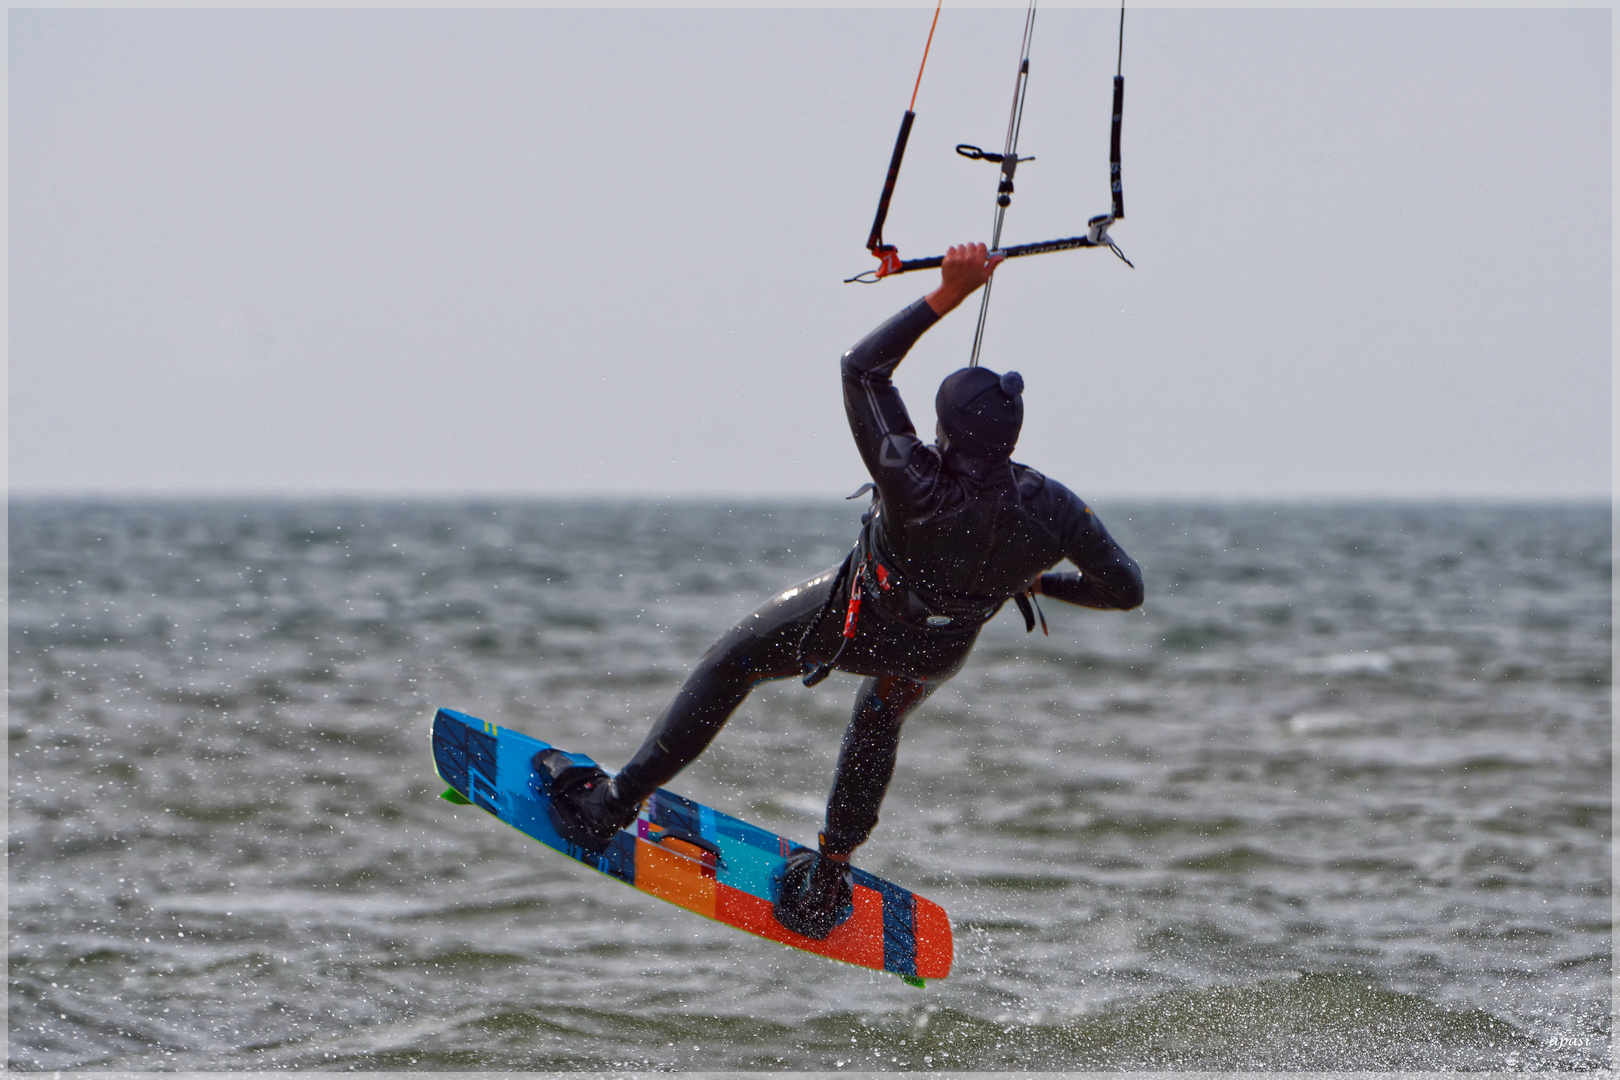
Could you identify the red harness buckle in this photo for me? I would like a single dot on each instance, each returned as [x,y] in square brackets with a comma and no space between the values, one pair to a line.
[853,616]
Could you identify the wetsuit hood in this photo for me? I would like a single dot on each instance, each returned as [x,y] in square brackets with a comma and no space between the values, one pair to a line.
[980,411]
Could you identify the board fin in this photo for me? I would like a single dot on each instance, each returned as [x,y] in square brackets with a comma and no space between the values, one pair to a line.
[451,795]
[912,980]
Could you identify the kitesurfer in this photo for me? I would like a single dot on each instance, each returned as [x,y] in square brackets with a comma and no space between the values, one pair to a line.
[955,531]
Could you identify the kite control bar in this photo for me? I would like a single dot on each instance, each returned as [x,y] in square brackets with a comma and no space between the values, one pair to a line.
[889,261]
[1096,236]
[888,256]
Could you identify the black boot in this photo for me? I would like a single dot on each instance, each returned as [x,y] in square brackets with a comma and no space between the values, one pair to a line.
[586,807]
[814,896]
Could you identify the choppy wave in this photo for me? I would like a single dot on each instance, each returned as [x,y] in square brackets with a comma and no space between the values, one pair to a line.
[1337,798]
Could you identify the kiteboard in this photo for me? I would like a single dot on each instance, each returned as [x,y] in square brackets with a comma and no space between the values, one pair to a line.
[690,855]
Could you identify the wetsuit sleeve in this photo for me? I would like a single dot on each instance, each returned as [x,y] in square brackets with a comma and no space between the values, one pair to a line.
[902,466]
[1109,579]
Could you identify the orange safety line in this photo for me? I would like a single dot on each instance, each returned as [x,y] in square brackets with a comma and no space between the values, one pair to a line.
[913,106]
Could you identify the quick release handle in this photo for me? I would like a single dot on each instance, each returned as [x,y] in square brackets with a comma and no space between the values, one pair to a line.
[1113,149]
[875,240]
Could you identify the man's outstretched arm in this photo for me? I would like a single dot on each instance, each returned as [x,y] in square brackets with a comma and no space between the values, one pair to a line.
[878,419]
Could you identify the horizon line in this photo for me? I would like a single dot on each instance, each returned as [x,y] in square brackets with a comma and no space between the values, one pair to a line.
[511,495]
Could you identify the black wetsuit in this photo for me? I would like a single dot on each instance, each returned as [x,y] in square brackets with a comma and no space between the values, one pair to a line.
[950,539]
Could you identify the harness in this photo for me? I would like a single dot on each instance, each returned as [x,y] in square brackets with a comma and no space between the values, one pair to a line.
[870,576]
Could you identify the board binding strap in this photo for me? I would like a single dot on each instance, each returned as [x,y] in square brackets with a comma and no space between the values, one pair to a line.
[692,856]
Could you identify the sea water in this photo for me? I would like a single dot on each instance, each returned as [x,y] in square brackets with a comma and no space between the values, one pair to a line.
[1337,796]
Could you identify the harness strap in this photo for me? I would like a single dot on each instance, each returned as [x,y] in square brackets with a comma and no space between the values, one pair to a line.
[814,673]
[1030,608]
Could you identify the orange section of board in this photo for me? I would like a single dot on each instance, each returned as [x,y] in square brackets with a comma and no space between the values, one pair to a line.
[931,928]
[676,878]
[858,941]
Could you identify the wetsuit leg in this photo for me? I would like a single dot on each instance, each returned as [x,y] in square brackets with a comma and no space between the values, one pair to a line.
[866,759]
[762,647]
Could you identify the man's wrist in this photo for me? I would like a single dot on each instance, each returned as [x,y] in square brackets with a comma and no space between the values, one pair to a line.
[944,302]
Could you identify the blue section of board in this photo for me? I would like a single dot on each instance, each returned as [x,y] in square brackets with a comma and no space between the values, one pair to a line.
[679,815]
[752,856]
[752,835]
[466,758]
[899,925]
[521,796]
[750,870]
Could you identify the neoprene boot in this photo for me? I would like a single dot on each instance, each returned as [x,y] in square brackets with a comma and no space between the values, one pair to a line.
[586,807]
[814,896]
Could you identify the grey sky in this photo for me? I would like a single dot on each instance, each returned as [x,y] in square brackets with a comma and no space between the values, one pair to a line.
[569,251]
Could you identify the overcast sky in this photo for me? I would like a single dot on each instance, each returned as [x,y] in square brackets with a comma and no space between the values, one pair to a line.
[553,251]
